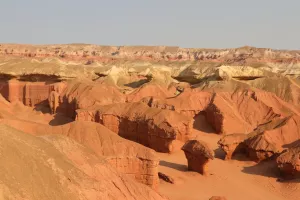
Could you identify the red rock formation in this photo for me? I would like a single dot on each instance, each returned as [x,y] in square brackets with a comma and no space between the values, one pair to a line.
[55,167]
[271,138]
[85,94]
[189,102]
[238,112]
[29,93]
[198,154]
[161,130]
[232,144]
[128,158]
[148,90]
[289,163]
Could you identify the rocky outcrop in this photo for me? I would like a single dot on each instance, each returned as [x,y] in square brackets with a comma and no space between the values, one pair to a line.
[198,155]
[232,144]
[226,72]
[271,138]
[238,112]
[55,167]
[128,158]
[85,94]
[161,130]
[29,93]
[289,163]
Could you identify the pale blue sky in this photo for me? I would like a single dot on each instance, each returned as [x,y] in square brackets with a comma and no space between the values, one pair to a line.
[185,23]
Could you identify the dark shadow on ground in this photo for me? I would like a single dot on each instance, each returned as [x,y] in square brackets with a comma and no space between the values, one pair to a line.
[137,84]
[60,119]
[266,168]
[176,166]
[219,153]
[43,107]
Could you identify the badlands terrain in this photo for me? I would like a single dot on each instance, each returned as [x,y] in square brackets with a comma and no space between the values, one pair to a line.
[92,122]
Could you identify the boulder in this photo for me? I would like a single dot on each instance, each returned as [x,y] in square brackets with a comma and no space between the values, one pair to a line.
[198,155]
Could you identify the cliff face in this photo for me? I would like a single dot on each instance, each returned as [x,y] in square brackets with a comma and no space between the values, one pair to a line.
[60,168]
[158,129]
[29,93]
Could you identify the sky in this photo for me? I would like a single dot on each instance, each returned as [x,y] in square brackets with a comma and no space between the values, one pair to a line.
[184,23]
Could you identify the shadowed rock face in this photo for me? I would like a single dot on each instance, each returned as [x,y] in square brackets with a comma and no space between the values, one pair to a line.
[55,167]
[161,130]
[289,163]
[198,154]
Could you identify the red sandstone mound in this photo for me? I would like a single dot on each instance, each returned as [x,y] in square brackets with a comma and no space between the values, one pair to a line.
[54,167]
[270,138]
[158,129]
[148,90]
[198,154]
[189,102]
[238,112]
[84,94]
[126,157]
[289,163]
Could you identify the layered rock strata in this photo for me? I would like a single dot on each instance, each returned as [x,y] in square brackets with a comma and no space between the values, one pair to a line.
[128,158]
[55,167]
[161,130]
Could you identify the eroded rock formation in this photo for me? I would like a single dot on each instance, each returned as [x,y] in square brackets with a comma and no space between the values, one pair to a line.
[238,112]
[128,158]
[198,154]
[161,130]
[55,167]
[271,138]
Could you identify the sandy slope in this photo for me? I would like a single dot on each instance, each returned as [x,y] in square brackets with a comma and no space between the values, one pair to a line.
[235,179]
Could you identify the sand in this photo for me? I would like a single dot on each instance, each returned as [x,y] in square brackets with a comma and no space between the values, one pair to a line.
[234,179]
